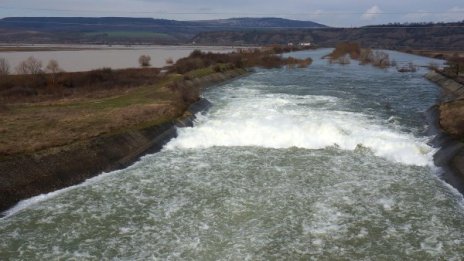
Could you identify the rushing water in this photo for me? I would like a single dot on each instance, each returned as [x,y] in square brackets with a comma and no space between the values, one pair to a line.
[329,162]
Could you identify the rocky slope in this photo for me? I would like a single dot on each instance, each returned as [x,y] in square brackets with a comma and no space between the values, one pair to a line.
[450,117]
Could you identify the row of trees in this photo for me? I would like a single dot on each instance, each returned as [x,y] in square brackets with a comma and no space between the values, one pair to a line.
[30,66]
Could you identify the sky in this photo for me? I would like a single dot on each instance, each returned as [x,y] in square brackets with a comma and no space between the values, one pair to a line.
[339,13]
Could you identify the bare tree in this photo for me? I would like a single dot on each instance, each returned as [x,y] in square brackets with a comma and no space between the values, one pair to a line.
[381,59]
[144,60]
[53,69]
[29,66]
[4,66]
[169,61]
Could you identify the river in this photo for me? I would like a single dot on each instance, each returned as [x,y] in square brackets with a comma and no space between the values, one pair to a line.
[330,162]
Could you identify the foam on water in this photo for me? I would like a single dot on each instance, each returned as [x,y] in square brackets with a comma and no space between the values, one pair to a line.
[284,121]
[27,203]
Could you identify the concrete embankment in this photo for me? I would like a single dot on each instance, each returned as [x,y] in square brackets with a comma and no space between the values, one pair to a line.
[450,119]
[453,89]
[25,176]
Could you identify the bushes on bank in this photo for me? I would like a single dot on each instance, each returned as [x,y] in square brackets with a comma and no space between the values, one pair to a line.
[4,67]
[31,66]
[353,50]
[52,81]
[144,60]
[266,58]
[344,51]
[59,84]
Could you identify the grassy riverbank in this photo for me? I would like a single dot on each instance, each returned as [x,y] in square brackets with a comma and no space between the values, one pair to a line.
[29,127]
[48,111]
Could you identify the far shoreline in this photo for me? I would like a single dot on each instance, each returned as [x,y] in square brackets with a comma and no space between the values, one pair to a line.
[82,47]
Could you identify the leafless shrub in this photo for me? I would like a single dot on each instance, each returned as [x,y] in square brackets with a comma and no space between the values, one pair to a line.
[53,69]
[144,60]
[30,66]
[169,61]
[381,59]
[344,60]
[410,67]
[366,56]
[4,66]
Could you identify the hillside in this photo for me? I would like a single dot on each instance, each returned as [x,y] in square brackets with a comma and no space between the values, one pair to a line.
[443,36]
[127,30]
[233,31]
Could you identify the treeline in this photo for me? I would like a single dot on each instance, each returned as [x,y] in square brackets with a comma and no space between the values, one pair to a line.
[446,37]
[419,24]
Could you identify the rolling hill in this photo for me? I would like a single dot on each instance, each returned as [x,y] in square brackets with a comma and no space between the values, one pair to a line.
[128,30]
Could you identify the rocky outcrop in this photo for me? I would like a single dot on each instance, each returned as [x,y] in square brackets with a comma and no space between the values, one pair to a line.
[450,119]
[26,176]
[451,110]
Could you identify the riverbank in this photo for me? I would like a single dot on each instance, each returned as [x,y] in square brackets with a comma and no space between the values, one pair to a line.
[29,174]
[449,117]
[72,126]
[444,55]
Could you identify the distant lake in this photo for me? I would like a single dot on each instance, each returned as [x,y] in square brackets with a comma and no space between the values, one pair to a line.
[84,58]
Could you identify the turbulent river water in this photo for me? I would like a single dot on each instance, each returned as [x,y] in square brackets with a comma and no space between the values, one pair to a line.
[329,162]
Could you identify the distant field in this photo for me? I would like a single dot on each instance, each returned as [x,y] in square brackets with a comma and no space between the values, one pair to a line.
[129,34]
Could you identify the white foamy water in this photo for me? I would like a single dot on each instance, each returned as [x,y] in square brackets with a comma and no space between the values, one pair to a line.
[285,121]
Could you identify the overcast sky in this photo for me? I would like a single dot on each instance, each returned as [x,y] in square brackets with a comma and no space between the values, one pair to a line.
[343,13]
